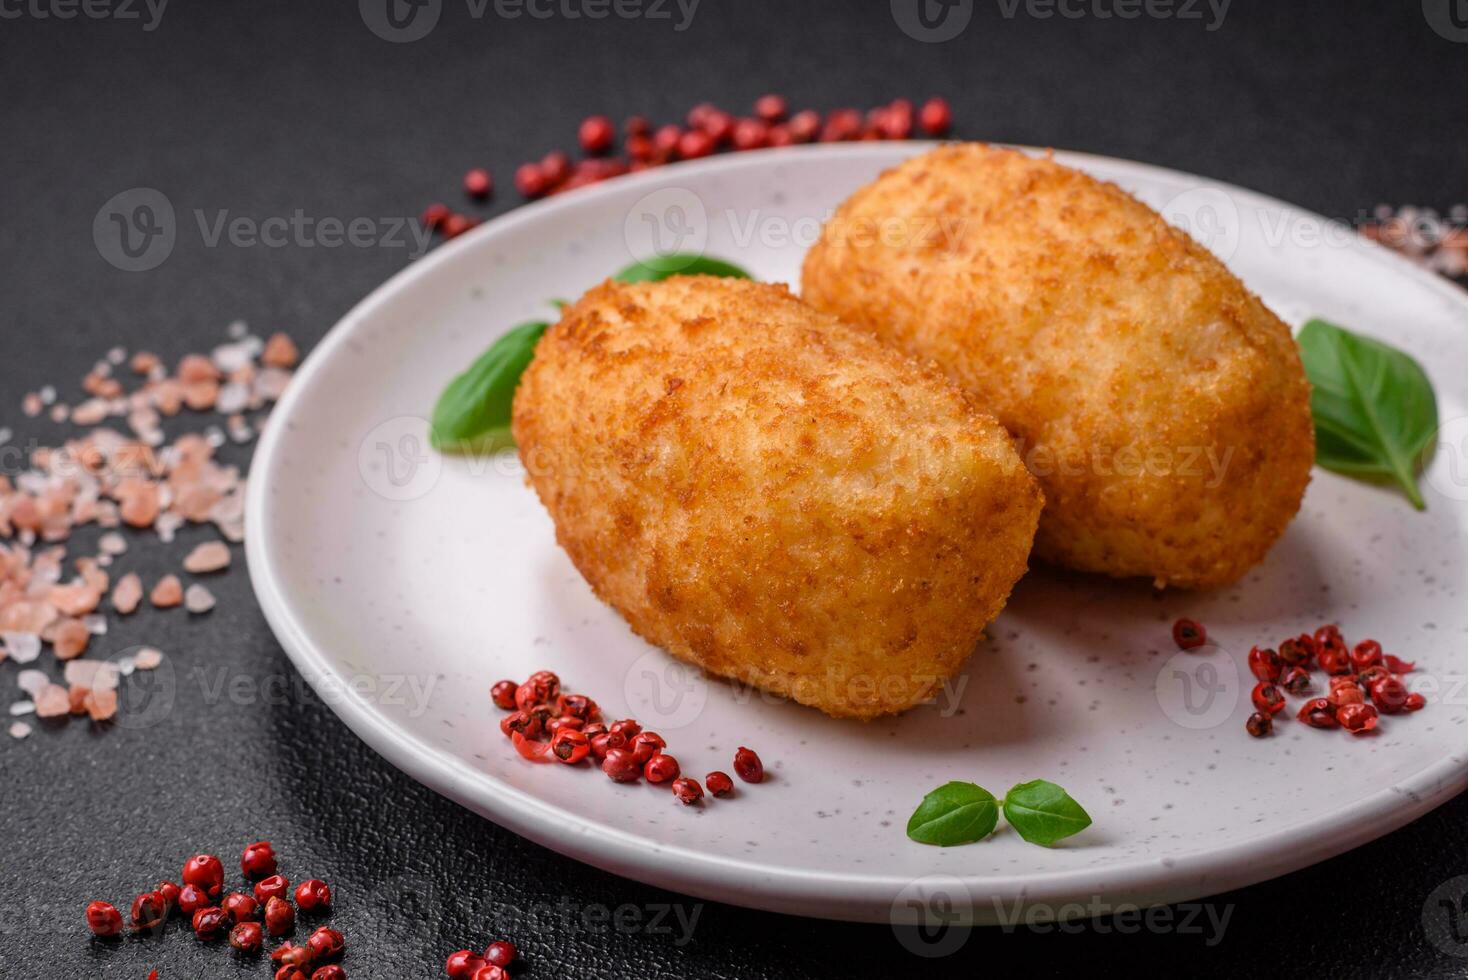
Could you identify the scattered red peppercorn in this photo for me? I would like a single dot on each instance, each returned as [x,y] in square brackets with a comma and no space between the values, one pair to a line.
[490,972]
[1366,654]
[895,122]
[291,973]
[747,766]
[462,964]
[478,183]
[1189,634]
[1260,724]
[637,126]
[148,912]
[500,954]
[666,139]
[205,871]
[660,768]
[435,215]
[1358,719]
[577,706]
[621,766]
[280,917]
[1414,702]
[330,971]
[804,126]
[1296,680]
[1318,713]
[1265,664]
[699,113]
[276,886]
[570,746]
[1294,653]
[290,954]
[596,134]
[530,181]
[326,944]
[503,695]
[841,125]
[1343,694]
[258,860]
[247,937]
[104,920]
[531,751]
[1334,661]
[645,745]
[191,898]
[1399,666]
[555,167]
[556,725]
[751,134]
[687,790]
[1371,675]
[936,116]
[170,893]
[780,136]
[1389,695]
[313,894]
[771,108]
[1267,698]
[458,224]
[211,923]
[240,906]
[695,143]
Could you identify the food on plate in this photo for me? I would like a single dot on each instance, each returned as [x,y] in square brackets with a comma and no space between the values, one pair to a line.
[771,495]
[1162,406]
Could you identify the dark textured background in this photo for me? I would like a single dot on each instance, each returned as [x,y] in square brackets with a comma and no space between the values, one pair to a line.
[265,107]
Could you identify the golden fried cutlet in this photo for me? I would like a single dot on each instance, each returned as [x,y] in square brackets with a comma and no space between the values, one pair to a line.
[772,495]
[1162,406]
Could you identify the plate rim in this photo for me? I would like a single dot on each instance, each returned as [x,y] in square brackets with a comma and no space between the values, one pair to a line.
[822,894]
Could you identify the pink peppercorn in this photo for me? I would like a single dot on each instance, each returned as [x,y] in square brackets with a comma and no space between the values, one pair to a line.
[596,134]
[936,116]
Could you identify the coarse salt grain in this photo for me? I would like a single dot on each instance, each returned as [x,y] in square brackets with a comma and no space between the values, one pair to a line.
[167,593]
[53,701]
[211,556]
[19,708]
[32,682]
[23,648]
[147,659]
[19,729]
[127,594]
[198,599]
[112,543]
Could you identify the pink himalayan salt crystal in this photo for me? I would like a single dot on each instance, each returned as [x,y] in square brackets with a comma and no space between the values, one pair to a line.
[70,639]
[128,594]
[96,675]
[211,556]
[19,729]
[280,352]
[147,659]
[139,500]
[198,599]
[33,682]
[193,368]
[23,647]
[74,600]
[53,701]
[167,593]
[101,705]
[27,617]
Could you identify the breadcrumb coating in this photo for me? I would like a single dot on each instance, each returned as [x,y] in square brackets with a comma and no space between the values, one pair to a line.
[1162,406]
[771,495]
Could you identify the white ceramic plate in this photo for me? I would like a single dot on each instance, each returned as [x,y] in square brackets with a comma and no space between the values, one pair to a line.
[403,585]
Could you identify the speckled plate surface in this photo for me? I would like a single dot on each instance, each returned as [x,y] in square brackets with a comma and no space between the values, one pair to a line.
[403,585]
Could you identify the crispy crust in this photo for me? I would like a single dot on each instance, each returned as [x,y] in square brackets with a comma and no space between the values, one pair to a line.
[1162,405]
[771,495]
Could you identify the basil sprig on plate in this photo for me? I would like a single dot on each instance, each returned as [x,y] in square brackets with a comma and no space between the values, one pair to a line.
[961,813]
[1375,411]
[473,413]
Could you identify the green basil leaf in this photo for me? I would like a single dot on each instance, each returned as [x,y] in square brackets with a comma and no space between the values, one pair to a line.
[1043,813]
[954,813]
[661,267]
[1375,411]
[473,413]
